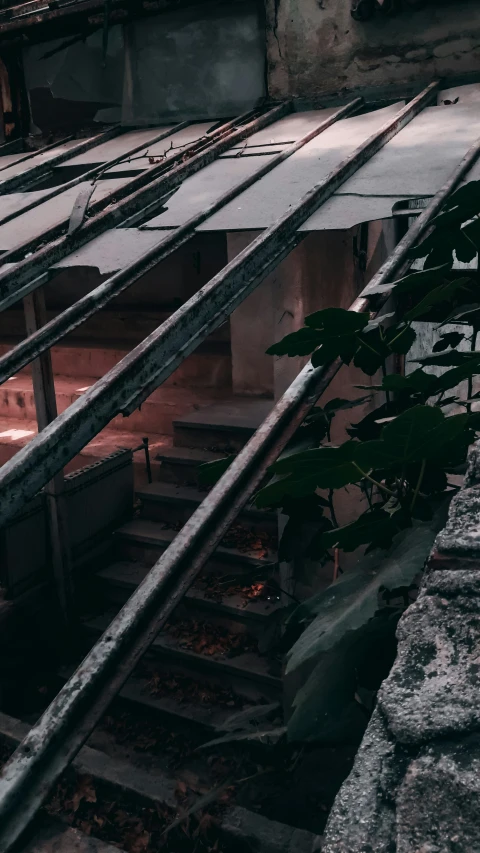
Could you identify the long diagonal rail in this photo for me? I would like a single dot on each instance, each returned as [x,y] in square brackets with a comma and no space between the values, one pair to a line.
[18,182]
[91,174]
[134,378]
[72,317]
[54,741]
[149,187]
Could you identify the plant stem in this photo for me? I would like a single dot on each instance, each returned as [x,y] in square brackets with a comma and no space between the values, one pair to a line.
[332,508]
[402,332]
[419,484]
[365,492]
[375,482]
[387,393]
[473,341]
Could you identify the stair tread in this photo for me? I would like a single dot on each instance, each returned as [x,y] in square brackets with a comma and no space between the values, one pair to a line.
[174,493]
[246,665]
[19,431]
[130,574]
[188,455]
[151,532]
[237,413]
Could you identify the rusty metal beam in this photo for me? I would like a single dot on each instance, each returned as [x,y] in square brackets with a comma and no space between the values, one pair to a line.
[22,354]
[46,410]
[134,378]
[91,175]
[134,195]
[19,182]
[73,714]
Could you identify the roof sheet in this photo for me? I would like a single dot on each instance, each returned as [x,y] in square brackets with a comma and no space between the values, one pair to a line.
[415,163]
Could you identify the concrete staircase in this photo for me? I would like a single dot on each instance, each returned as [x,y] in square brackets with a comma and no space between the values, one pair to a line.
[217,635]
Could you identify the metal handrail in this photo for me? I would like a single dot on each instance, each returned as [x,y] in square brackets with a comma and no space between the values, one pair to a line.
[76,314]
[53,742]
[134,378]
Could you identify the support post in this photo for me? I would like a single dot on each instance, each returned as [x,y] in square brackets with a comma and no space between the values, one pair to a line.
[46,409]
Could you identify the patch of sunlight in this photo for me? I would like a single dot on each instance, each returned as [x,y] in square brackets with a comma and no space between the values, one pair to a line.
[17,434]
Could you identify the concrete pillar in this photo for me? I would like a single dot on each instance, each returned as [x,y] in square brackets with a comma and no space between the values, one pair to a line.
[251,331]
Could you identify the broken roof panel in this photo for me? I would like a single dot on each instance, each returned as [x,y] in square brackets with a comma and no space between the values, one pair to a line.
[414,163]
[272,195]
[231,168]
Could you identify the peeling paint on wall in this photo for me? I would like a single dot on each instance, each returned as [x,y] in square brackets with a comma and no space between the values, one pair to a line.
[316,48]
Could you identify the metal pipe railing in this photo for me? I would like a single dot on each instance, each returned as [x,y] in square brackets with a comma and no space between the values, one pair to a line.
[72,317]
[149,186]
[54,741]
[134,378]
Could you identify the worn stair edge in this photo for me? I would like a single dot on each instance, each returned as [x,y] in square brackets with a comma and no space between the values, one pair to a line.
[188,456]
[52,836]
[100,766]
[248,667]
[144,531]
[128,575]
[239,826]
[136,692]
[188,496]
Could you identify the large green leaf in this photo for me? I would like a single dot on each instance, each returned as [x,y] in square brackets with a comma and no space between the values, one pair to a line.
[354,599]
[416,282]
[303,342]
[445,292]
[447,340]
[331,467]
[374,528]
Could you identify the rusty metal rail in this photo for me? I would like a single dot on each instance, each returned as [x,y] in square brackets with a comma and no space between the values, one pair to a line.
[24,179]
[91,175]
[134,378]
[150,187]
[54,741]
[29,349]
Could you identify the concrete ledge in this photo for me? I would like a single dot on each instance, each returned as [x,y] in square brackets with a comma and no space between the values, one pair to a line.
[415,784]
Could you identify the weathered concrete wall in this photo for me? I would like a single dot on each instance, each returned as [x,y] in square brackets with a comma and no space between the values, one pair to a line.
[204,61]
[415,784]
[315,47]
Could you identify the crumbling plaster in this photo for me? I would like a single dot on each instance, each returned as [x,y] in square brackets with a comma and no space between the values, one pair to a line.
[316,48]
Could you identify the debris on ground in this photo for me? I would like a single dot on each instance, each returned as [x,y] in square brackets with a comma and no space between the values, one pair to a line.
[207,639]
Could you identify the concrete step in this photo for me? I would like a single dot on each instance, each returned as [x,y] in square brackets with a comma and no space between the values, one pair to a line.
[227,604]
[249,674]
[208,367]
[180,465]
[143,541]
[118,328]
[222,426]
[15,433]
[174,504]
[156,415]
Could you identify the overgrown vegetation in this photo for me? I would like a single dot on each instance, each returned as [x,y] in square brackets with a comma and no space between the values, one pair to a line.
[400,457]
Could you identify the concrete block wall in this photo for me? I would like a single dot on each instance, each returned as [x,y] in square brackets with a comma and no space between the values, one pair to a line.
[415,784]
[314,47]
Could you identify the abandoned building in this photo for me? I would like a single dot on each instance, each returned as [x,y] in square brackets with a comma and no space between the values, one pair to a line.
[181,184]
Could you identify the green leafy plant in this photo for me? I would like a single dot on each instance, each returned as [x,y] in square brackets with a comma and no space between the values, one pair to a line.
[400,457]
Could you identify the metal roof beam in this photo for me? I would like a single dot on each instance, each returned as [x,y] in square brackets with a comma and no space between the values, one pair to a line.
[148,187]
[76,314]
[134,378]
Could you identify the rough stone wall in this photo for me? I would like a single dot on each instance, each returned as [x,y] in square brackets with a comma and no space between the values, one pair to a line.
[415,785]
[315,47]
